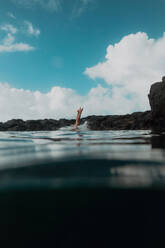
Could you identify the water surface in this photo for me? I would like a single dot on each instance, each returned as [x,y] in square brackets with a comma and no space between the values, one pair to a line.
[67,158]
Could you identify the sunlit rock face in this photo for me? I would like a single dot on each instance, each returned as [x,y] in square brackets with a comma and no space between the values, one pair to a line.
[157,103]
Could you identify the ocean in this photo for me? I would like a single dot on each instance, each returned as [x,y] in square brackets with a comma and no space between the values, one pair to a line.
[118,158]
[82,188]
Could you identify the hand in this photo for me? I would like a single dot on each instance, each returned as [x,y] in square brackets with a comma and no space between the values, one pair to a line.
[80,110]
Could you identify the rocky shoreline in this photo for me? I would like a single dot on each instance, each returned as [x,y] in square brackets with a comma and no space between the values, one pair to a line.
[154,119]
[138,120]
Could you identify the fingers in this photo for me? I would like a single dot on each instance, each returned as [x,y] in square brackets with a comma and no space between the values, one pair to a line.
[80,110]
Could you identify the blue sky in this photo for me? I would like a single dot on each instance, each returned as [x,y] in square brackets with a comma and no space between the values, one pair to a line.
[65,37]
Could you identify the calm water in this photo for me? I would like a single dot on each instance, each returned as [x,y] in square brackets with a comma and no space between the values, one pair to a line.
[69,158]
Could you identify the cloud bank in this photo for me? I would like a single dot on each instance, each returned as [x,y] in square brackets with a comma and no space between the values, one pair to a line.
[57,103]
[130,67]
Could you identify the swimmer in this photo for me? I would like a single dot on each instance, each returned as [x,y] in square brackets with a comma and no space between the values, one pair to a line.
[79,112]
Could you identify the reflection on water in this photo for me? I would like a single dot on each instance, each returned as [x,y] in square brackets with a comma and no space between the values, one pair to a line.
[67,157]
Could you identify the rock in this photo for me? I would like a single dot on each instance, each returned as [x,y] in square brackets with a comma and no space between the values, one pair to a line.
[135,121]
[158,141]
[34,125]
[157,103]
[138,120]
[65,122]
[42,125]
[163,79]
[14,125]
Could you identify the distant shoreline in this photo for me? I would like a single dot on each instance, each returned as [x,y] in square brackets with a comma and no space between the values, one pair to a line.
[134,121]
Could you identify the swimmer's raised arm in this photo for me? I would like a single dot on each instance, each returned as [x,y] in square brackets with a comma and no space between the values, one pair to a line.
[79,112]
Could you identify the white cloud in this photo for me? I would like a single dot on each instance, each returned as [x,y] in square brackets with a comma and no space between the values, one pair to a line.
[8,40]
[16,47]
[11,15]
[31,30]
[9,28]
[130,67]
[51,5]
[57,103]
[8,43]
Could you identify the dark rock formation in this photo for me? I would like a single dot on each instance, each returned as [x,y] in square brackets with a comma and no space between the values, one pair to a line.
[34,125]
[157,103]
[138,120]
[158,141]
[135,121]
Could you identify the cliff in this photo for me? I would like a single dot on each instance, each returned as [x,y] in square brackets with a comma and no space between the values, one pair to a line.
[157,103]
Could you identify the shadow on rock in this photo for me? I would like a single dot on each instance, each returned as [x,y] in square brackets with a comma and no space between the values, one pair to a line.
[158,141]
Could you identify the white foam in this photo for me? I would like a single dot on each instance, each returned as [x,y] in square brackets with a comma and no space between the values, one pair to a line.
[82,127]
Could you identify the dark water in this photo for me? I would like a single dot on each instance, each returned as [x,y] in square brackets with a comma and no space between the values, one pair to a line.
[82,188]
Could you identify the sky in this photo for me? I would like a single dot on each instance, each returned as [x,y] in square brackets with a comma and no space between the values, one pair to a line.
[58,55]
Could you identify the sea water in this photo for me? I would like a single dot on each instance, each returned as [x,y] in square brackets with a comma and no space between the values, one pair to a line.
[71,158]
[82,188]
